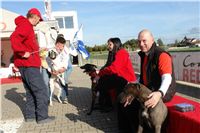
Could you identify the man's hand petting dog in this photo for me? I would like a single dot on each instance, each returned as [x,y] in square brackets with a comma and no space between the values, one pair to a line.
[154,97]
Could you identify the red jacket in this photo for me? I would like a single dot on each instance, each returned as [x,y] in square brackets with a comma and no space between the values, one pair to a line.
[121,66]
[23,40]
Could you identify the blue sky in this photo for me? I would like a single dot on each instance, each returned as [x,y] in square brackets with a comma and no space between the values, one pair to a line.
[168,20]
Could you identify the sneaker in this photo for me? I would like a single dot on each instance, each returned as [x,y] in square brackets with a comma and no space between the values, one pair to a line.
[65,101]
[49,119]
[29,119]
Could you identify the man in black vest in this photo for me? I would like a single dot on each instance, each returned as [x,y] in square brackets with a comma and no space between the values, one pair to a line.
[157,71]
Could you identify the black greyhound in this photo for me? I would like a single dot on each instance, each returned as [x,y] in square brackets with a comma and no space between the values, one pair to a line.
[90,69]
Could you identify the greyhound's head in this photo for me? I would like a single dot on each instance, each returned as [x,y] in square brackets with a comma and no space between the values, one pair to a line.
[134,90]
[52,54]
[131,91]
[89,68]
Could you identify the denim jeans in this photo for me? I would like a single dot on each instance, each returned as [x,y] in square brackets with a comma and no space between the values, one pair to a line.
[46,76]
[36,105]
[66,77]
[68,71]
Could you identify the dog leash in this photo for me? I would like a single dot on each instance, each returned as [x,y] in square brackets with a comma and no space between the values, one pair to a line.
[41,50]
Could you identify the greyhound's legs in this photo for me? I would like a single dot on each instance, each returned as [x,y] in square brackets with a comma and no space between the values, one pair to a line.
[94,95]
[140,129]
[157,129]
[51,83]
[59,91]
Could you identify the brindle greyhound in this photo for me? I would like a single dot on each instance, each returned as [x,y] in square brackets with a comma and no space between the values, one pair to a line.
[90,69]
[154,117]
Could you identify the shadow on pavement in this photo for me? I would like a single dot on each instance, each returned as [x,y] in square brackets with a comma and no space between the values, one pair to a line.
[81,99]
[16,97]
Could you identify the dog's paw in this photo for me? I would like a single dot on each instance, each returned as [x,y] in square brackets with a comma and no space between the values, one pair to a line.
[50,104]
[65,101]
[60,101]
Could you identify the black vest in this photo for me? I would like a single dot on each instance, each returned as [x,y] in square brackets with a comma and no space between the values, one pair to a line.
[153,77]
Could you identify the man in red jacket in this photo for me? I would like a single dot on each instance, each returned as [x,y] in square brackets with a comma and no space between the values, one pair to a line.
[26,58]
[117,72]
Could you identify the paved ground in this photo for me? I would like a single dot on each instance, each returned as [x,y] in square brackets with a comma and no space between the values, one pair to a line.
[70,118]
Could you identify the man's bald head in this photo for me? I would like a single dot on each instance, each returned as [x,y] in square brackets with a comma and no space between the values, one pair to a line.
[146,33]
[145,40]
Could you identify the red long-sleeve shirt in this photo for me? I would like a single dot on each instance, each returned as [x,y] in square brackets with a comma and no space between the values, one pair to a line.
[164,66]
[23,40]
[121,66]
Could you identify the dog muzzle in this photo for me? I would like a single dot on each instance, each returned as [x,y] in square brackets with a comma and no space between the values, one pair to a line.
[52,54]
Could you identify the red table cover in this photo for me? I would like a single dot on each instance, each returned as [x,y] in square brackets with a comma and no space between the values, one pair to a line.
[183,122]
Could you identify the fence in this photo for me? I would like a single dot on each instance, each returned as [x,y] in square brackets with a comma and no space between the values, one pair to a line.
[186,64]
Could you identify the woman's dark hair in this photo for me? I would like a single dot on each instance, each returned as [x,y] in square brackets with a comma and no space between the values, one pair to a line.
[60,39]
[111,55]
[117,44]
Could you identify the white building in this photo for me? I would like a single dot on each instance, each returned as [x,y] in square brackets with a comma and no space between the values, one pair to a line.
[68,26]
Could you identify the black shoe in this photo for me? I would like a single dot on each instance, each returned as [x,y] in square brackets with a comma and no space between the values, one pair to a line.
[29,119]
[49,119]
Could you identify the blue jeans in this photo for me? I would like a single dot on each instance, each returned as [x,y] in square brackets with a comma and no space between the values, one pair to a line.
[36,105]
[46,76]
[66,77]
[68,71]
